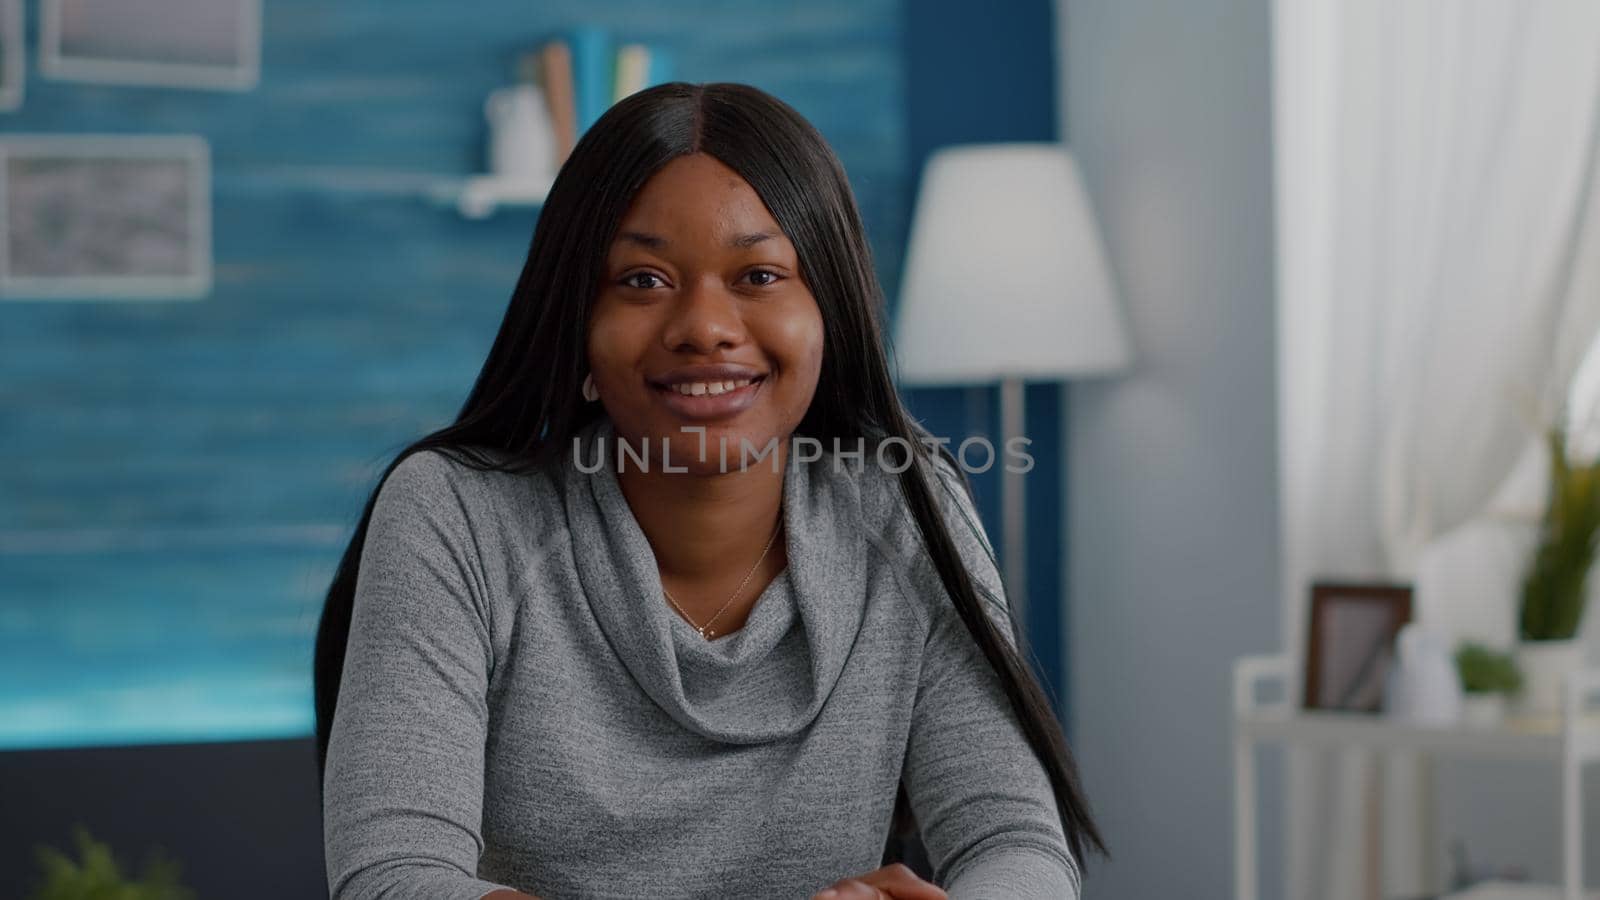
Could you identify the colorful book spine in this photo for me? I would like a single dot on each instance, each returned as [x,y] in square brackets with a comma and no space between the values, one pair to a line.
[661,68]
[582,76]
[633,70]
[555,75]
[591,73]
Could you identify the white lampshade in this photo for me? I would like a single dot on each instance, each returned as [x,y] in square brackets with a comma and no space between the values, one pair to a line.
[1006,274]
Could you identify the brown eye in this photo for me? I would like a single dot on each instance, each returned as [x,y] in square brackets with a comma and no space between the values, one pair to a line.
[774,276]
[628,280]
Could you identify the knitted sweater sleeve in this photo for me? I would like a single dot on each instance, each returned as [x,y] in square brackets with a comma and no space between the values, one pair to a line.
[981,797]
[403,784]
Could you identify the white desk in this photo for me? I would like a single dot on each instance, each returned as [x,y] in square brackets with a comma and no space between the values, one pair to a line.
[1570,740]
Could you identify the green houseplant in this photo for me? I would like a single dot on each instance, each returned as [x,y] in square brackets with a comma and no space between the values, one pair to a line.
[1488,677]
[1487,671]
[96,875]
[1555,586]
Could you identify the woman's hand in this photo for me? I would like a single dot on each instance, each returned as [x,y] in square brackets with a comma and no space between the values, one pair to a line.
[892,882]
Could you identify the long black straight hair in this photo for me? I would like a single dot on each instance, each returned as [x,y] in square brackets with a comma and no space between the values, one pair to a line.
[525,406]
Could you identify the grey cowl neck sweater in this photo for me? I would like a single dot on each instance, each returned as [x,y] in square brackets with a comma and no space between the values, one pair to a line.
[769,678]
[520,706]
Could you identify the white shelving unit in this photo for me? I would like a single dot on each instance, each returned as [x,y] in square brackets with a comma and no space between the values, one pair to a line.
[479,196]
[472,196]
[1570,741]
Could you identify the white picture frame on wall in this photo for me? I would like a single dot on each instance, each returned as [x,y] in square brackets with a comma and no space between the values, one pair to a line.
[13,55]
[201,44]
[105,216]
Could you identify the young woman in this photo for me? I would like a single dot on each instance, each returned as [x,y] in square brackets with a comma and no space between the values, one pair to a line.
[684,604]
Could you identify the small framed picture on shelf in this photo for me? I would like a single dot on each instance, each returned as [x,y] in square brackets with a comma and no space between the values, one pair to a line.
[105,216]
[13,68]
[1351,643]
[204,44]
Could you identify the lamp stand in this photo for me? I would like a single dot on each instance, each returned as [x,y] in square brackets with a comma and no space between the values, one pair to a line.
[1014,551]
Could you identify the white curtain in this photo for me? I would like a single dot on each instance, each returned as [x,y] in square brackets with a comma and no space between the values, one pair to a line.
[1438,238]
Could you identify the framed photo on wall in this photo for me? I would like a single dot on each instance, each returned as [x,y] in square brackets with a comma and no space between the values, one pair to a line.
[88,215]
[13,59]
[1351,643]
[207,44]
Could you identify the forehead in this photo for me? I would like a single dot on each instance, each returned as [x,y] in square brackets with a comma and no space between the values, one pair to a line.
[699,195]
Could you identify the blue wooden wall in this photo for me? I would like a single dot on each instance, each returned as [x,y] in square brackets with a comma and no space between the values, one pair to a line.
[177,479]
[978,73]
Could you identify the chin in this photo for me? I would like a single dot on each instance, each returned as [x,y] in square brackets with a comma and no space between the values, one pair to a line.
[707,457]
[754,429]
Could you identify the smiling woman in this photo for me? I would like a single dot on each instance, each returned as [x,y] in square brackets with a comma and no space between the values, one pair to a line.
[540,678]
[702,292]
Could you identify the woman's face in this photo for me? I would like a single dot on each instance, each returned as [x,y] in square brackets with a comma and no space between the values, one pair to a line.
[701,289]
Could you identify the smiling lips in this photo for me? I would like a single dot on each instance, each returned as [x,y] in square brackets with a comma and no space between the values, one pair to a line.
[696,388]
[710,399]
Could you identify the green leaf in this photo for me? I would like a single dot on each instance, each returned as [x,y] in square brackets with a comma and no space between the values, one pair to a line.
[1554,587]
[96,876]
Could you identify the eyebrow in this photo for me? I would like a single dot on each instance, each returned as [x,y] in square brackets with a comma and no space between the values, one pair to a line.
[656,241]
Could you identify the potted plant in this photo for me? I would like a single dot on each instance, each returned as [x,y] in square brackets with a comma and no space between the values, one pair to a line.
[96,876]
[1488,677]
[1555,586]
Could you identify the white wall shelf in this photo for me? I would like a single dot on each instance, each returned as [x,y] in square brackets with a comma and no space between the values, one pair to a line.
[1570,740]
[473,196]
[478,197]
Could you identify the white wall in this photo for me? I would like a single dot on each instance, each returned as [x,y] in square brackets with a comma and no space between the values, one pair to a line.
[1172,491]
[1172,518]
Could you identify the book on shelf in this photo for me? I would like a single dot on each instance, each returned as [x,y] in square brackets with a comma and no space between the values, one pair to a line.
[591,72]
[639,66]
[555,78]
[583,72]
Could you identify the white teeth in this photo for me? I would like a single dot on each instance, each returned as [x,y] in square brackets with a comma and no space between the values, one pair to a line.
[710,387]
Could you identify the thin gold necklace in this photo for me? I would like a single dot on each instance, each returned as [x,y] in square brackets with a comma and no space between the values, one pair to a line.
[705,630]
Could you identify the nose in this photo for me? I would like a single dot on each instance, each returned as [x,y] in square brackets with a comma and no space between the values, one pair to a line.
[705,318]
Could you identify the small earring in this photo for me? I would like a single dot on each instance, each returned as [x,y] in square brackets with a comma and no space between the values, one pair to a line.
[589,392]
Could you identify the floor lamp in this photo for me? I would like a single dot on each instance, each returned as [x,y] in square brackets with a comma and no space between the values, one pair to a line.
[1006,281]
